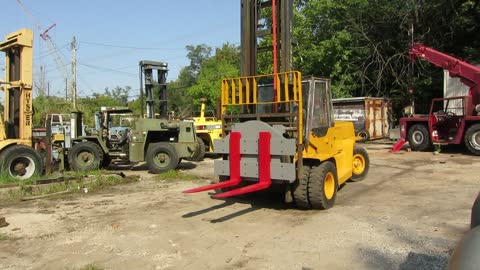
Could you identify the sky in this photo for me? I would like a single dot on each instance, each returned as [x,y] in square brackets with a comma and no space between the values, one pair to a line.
[113,36]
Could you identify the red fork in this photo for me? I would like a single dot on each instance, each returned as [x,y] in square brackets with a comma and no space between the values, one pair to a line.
[234,167]
[264,159]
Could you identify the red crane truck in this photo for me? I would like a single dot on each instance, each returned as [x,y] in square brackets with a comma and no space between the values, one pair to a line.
[451,120]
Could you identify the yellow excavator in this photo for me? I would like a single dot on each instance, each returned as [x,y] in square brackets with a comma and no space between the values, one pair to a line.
[17,156]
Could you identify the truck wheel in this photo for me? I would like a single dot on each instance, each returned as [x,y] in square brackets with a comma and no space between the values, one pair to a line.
[472,139]
[323,185]
[418,137]
[85,156]
[199,151]
[300,189]
[161,157]
[364,134]
[361,164]
[21,162]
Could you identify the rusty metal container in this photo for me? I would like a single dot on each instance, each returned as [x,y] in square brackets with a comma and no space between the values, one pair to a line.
[371,116]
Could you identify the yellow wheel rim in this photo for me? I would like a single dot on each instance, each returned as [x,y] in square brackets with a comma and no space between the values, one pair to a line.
[329,185]
[358,164]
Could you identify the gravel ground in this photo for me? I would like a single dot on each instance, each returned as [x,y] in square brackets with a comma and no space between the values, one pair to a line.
[409,213]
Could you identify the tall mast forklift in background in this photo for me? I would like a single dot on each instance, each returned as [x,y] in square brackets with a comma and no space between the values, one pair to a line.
[278,129]
[17,156]
[161,143]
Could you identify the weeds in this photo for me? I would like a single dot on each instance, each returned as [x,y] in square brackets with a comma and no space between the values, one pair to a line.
[95,181]
[175,175]
[91,267]
[3,237]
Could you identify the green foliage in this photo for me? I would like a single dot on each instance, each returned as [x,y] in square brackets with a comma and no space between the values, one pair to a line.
[362,45]
[209,80]
[91,267]
[3,236]
[202,78]
[44,105]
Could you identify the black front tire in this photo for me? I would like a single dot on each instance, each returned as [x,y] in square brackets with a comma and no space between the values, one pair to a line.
[161,157]
[323,186]
[472,139]
[318,187]
[419,138]
[21,162]
[85,156]
[300,189]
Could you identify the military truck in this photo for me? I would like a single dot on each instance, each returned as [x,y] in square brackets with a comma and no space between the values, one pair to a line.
[162,143]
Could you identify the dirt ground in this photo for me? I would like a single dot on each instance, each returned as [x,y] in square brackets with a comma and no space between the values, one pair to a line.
[408,214]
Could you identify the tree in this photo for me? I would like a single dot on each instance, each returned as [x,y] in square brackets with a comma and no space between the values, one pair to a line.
[362,45]
[178,90]
[225,64]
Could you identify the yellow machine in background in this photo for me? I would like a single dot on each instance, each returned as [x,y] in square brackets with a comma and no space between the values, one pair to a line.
[17,156]
[208,129]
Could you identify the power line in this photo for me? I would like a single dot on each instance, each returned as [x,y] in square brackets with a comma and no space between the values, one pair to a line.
[108,69]
[129,47]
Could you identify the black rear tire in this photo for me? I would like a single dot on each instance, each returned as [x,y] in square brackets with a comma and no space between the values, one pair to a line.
[85,156]
[361,164]
[161,157]
[364,134]
[21,162]
[419,138]
[472,139]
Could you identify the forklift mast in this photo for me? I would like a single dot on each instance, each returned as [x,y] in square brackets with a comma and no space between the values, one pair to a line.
[148,82]
[266,26]
[17,115]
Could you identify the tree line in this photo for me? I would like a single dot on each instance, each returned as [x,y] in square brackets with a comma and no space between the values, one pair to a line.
[361,45]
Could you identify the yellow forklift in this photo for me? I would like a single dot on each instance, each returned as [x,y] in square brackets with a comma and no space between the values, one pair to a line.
[208,129]
[18,158]
[279,129]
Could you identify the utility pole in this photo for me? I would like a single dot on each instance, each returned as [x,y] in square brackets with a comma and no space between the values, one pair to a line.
[66,90]
[74,72]
[42,80]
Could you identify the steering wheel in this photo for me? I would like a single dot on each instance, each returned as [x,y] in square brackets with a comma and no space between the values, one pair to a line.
[450,114]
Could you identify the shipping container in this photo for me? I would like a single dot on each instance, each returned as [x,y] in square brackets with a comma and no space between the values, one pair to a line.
[371,116]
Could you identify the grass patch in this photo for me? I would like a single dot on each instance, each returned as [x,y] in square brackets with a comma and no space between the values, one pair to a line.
[175,175]
[80,183]
[3,237]
[6,179]
[91,267]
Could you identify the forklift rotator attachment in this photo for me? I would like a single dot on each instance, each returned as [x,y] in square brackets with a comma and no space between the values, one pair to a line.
[255,151]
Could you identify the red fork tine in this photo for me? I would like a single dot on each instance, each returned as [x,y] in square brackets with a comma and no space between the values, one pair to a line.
[264,159]
[234,167]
